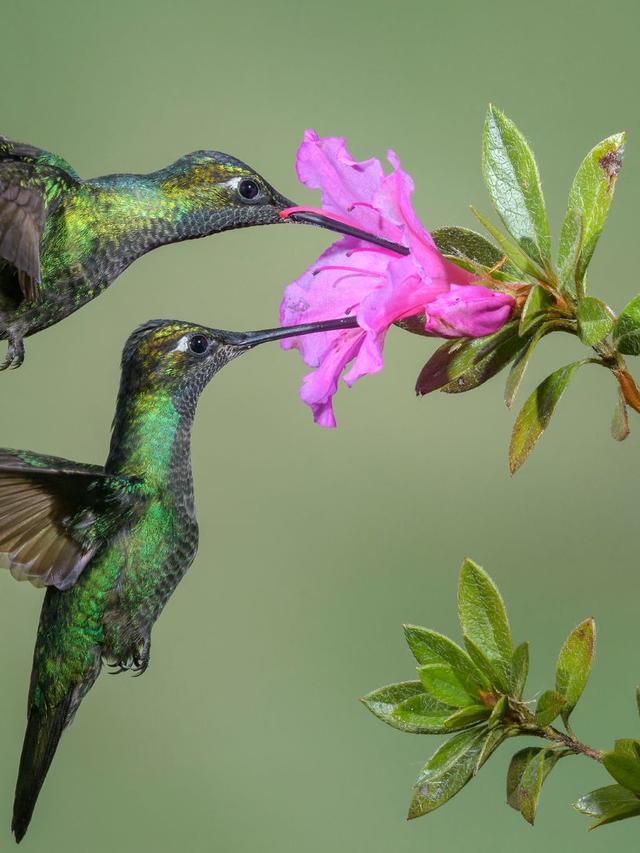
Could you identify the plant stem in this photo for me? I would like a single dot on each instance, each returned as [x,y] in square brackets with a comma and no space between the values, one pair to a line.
[551,733]
[526,721]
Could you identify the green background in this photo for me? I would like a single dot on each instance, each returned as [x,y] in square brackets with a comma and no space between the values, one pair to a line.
[246,733]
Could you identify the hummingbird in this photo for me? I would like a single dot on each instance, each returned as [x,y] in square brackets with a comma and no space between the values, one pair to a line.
[63,240]
[110,544]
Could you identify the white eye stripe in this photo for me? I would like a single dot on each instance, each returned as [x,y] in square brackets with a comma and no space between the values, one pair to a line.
[183,344]
[234,182]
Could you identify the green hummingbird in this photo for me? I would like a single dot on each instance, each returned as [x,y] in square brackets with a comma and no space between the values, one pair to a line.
[111,543]
[63,240]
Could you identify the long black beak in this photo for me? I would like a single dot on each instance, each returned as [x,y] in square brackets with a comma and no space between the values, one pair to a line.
[248,340]
[314,217]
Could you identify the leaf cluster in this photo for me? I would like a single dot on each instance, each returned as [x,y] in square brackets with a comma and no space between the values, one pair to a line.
[473,694]
[550,295]
[622,800]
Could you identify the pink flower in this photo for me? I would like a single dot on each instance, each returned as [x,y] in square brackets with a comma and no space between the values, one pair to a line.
[376,284]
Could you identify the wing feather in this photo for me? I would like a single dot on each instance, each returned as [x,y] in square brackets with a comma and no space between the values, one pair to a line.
[48,513]
[22,218]
[32,183]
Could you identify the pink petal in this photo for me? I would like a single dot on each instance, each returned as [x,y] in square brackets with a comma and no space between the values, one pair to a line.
[319,387]
[348,187]
[471,311]
[394,198]
[333,287]
[378,286]
[404,293]
[325,164]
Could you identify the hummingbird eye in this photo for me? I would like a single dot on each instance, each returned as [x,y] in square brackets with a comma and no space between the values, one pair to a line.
[199,344]
[248,189]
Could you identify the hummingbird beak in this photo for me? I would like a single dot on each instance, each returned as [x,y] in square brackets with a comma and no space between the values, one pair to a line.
[248,340]
[315,216]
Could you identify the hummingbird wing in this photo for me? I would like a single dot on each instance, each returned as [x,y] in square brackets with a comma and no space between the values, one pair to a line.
[22,217]
[55,514]
[32,183]
[26,153]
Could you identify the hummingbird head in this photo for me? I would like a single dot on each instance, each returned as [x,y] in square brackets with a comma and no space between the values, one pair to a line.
[181,358]
[217,192]
[223,191]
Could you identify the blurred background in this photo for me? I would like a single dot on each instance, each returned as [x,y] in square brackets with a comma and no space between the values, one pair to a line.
[246,733]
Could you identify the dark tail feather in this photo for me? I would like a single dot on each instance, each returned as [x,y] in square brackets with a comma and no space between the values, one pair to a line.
[44,729]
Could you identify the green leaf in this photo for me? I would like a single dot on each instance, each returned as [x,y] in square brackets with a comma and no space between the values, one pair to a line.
[628,746]
[550,704]
[493,739]
[478,254]
[609,804]
[527,772]
[465,363]
[520,261]
[483,617]
[485,368]
[595,322]
[512,178]
[620,814]
[624,768]
[466,717]
[574,664]
[539,303]
[498,679]
[447,772]
[589,199]
[499,710]
[431,647]
[520,669]
[440,681]
[620,421]
[570,246]
[604,800]
[520,362]
[406,707]
[524,781]
[626,331]
[536,413]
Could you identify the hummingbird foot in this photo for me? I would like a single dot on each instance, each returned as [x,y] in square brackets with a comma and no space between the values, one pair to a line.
[15,353]
[137,661]
[120,666]
[141,660]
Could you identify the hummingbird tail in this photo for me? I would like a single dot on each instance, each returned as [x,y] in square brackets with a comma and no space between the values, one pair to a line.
[44,729]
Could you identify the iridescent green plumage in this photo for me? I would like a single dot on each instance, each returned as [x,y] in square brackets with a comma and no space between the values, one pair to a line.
[64,240]
[111,544]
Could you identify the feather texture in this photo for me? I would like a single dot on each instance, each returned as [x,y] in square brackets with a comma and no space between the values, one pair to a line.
[54,514]
[22,215]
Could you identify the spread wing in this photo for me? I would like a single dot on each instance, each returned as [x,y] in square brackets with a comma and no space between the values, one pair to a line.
[32,183]
[55,514]
[22,217]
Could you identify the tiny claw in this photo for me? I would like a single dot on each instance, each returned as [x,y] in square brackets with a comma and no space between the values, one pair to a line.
[137,661]
[15,354]
[141,660]
[136,669]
